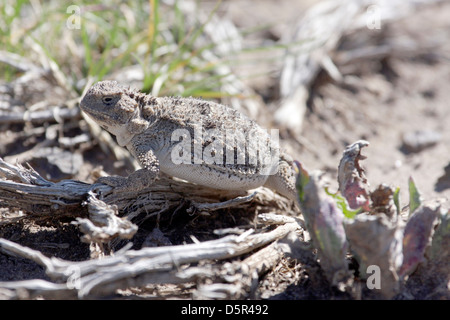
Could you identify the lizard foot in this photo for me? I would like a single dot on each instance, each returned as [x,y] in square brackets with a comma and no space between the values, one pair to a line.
[136,181]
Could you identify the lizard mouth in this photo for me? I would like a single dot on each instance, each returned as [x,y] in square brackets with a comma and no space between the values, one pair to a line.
[96,115]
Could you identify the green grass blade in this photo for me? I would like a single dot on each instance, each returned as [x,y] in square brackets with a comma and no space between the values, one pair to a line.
[414,196]
[396,197]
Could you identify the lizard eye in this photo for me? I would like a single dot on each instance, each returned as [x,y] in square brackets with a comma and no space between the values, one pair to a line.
[107,100]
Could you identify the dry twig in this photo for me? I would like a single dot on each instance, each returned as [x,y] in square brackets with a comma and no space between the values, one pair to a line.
[25,189]
[127,268]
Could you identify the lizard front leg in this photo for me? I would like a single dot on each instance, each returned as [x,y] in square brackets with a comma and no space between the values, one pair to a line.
[140,179]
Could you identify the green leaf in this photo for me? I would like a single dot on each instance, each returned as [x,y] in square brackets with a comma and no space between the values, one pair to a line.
[302,180]
[414,196]
[342,204]
[397,200]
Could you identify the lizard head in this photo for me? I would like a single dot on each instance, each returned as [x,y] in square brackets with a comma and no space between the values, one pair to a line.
[114,108]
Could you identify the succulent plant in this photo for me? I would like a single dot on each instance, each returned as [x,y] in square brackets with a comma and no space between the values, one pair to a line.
[369,225]
[324,221]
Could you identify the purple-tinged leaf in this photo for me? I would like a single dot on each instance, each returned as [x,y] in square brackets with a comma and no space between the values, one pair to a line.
[351,178]
[417,237]
[324,222]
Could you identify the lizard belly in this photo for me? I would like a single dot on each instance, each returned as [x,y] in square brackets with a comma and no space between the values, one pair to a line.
[210,177]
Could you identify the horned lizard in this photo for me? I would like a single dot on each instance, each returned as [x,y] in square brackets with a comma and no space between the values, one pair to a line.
[200,141]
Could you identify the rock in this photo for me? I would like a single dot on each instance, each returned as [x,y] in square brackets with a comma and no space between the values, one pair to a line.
[419,140]
[444,181]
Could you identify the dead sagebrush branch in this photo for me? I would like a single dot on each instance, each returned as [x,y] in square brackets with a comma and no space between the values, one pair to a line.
[131,268]
[26,190]
[95,208]
[321,30]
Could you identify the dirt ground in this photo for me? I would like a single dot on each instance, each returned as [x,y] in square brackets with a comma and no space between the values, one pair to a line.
[391,98]
[394,96]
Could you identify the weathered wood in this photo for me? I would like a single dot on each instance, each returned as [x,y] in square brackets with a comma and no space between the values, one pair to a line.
[91,204]
[96,207]
[142,267]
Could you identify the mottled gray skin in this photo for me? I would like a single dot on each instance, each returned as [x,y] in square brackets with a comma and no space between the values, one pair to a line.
[146,126]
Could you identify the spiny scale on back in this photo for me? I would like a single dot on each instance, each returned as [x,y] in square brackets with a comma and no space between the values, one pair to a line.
[145,124]
[185,111]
